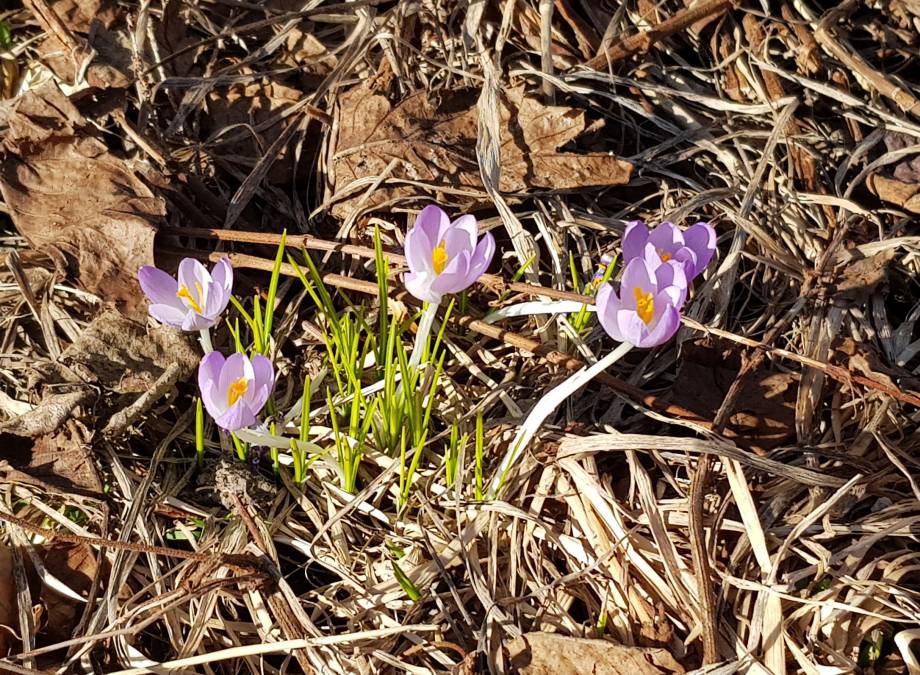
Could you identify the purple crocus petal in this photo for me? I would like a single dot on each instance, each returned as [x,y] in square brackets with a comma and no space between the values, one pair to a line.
[608,305]
[456,241]
[418,251]
[221,287]
[208,382]
[193,273]
[158,286]
[432,222]
[687,258]
[631,326]
[638,274]
[634,240]
[168,314]
[238,416]
[482,257]
[671,279]
[667,238]
[194,322]
[701,239]
[467,224]
[261,386]
[454,277]
[237,367]
[419,285]
[665,327]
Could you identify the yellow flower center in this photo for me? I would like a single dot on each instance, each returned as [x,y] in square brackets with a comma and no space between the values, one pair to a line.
[439,258]
[645,305]
[194,303]
[664,255]
[236,390]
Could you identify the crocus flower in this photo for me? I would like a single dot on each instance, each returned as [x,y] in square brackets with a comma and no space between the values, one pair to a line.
[693,247]
[646,313]
[195,301]
[235,389]
[443,256]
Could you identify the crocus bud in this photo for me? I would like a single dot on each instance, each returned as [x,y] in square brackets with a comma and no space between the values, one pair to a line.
[646,313]
[693,247]
[195,301]
[444,256]
[234,389]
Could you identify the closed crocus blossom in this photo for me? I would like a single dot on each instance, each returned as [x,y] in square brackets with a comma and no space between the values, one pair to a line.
[195,300]
[693,247]
[234,389]
[646,313]
[445,257]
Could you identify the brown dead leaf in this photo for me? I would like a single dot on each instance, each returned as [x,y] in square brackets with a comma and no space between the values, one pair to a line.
[905,195]
[552,654]
[239,114]
[60,462]
[432,141]
[75,565]
[858,279]
[113,356]
[69,196]
[104,56]
[9,617]
[860,359]
[764,412]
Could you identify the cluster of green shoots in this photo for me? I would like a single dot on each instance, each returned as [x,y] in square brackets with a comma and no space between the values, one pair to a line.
[368,391]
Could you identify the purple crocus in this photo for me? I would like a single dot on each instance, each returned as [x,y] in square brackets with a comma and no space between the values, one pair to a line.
[235,389]
[443,256]
[195,301]
[693,247]
[646,313]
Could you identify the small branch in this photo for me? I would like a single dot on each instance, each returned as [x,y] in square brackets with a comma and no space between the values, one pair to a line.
[641,42]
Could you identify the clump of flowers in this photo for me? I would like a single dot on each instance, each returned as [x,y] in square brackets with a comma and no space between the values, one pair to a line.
[644,313]
[693,248]
[234,389]
[195,300]
[659,267]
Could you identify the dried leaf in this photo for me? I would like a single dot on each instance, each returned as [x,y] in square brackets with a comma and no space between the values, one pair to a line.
[61,462]
[113,355]
[432,142]
[905,195]
[763,416]
[67,194]
[239,113]
[106,61]
[75,565]
[859,279]
[552,654]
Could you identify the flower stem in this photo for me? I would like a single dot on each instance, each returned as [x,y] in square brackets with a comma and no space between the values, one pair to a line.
[545,408]
[421,337]
[205,340]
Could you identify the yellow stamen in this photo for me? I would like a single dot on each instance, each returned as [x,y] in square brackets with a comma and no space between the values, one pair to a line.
[645,305]
[664,255]
[236,390]
[439,258]
[183,292]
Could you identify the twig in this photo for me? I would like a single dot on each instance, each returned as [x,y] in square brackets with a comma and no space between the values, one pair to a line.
[641,42]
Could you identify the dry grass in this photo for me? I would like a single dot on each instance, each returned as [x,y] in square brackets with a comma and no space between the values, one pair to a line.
[623,519]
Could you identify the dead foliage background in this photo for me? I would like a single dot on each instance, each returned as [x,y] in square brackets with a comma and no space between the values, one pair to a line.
[749,504]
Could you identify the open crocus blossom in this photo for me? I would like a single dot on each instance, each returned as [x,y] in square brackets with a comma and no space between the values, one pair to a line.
[234,390]
[693,247]
[646,313]
[195,301]
[444,257]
